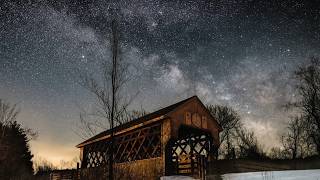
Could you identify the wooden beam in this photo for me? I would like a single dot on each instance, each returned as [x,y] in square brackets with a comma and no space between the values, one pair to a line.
[124,130]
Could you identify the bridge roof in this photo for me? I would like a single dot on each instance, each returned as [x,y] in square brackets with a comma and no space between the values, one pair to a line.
[157,114]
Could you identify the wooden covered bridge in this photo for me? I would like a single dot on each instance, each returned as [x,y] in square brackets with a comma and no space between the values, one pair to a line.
[178,139]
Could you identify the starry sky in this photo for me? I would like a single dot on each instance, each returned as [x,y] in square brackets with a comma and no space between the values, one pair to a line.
[228,52]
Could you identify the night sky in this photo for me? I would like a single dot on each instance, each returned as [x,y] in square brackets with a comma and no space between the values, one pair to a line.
[236,53]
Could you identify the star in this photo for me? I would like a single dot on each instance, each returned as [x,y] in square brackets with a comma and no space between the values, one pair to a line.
[225,52]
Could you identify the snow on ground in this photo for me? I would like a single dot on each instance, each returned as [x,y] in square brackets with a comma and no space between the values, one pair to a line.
[275,175]
[176,178]
[265,175]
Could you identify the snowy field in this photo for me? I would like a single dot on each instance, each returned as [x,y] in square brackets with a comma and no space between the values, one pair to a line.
[275,175]
[266,175]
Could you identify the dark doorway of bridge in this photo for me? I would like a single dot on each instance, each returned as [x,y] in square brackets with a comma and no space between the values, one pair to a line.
[188,154]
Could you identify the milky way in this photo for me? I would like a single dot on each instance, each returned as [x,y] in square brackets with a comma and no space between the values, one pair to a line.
[240,54]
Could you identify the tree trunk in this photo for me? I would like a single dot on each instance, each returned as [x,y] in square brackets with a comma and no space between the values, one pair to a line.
[114,89]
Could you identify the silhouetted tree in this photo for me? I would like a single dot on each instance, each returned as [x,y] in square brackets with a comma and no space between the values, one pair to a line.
[8,114]
[295,141]
[309,99]
[16,155]
[112,103]
[15,158]
[135,114]
[248,145]
[277,153]
[229,121]
[42,167]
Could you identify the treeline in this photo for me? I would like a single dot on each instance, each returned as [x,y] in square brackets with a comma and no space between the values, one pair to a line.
[15,158]
[236,141]
[300,139]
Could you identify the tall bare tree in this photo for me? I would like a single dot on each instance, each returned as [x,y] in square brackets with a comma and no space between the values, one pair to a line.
[111,107]
[229,121]
[111,103]
[308,77]
[295,141]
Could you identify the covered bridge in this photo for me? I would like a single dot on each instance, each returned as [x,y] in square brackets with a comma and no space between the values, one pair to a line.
[178,139]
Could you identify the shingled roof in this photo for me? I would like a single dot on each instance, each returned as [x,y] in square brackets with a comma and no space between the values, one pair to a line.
[142,119]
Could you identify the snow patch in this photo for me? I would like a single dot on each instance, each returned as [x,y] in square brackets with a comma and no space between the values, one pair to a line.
[176,178]
[275,175]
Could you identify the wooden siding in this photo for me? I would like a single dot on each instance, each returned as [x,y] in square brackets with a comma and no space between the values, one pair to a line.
[132,156]
[198,112]
[140,169]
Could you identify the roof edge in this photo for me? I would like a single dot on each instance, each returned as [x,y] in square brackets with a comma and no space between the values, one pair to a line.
[123,131]
[140,124]
[219,126]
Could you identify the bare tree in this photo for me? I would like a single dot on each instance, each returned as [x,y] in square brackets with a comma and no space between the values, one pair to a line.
[135,114]
[295,140]
[111,101]
[8,114]
[277,153]
[235,140]
[42,166]
[248,145]
[309,102]
[111,107]
[229,121]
